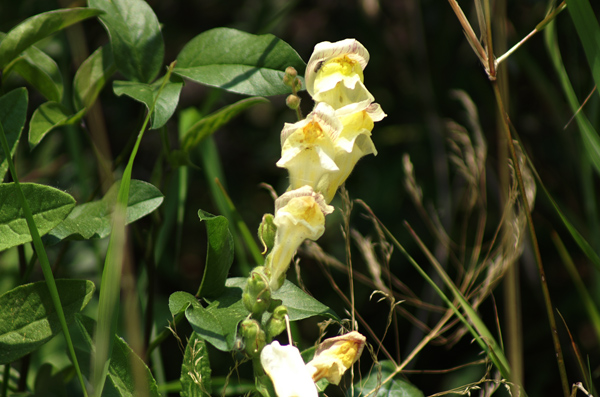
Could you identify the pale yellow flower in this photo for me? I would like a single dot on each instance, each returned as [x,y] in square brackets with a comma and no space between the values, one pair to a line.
[351,144]
[334,73]
[287,371]
[335,355]
[299,215]
[307,149]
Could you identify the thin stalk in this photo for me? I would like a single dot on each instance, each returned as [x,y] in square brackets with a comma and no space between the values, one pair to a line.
[5,380]
[534,242]
[540,26]
[111,276]
[163,335]
[469,33]
[44,262]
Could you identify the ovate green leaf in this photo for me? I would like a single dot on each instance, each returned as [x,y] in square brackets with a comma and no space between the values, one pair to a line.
[47,117]
[195,370]
[120,381]
[238,61]
[209,124]
[218,322]
[166,103]
[93,220]
[91,77]
[219,256]
[135,37]
[13,110]
[48,205]
[376,385]
[28,319]
[39,70]
[37,27]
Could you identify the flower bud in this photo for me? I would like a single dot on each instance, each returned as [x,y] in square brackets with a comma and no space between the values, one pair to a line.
[291,71]
[266,232]
[257,294]
[292,101]
[253,337]
[276,324]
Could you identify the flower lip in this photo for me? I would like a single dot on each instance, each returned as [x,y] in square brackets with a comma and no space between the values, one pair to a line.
[335,355]
[287,371]
[325,51]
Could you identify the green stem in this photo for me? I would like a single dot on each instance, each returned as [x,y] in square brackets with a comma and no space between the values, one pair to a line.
[41,253]
[163,335]
[534,242]
[111,276]
[5,380]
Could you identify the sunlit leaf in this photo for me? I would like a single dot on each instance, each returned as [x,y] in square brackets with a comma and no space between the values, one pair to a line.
[135,37]
[37,27]
[251,65]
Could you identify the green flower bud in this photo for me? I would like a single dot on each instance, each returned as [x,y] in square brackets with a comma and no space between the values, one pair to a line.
[292,102]
[290,71]
[266,232]
[276,324]
[253,337]
[257,294]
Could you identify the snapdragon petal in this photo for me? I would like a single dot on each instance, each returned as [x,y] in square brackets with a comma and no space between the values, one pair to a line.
[335,355]
[326,51]
[299,215]
[287,371]
[307,147]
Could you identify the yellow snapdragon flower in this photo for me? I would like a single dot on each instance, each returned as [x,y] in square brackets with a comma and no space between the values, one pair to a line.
[353,142]
[307,149]
[334,73]
[335,355]
[287,371]
[299,215]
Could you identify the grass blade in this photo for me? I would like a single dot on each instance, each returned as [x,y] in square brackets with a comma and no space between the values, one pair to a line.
[41,253]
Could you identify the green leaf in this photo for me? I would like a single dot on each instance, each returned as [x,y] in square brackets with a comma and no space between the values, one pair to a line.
[209,124]
[397,386]
[28,318]
[93,220]
[91,77]
[13,110]
[217,323]
[135,37]
[39,70]
[195,370]
[49,207]
[48,116]
[219,256]
[120,380]
[166,103]
[238,61]
[37,27]
[587,27]
[589,136]
[180,300]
